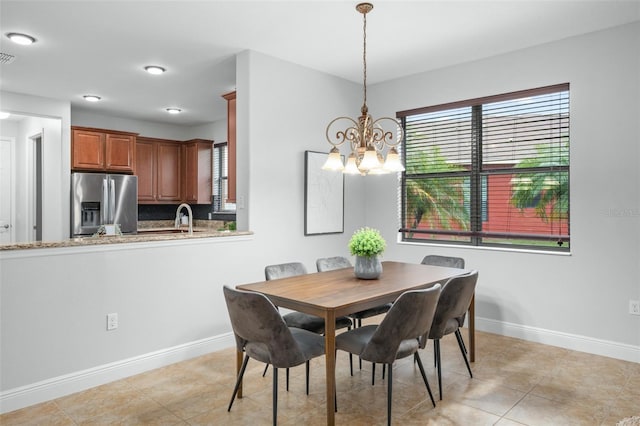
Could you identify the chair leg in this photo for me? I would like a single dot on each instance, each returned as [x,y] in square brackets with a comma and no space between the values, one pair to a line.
[373,373]
[462,341]
[462,349]
[351,363]
[238,381]
[287,380]
[384,367]
[275,396]
[389,396]
[266,367]
[436,355]
[435,359]
[307,371]
[417,359]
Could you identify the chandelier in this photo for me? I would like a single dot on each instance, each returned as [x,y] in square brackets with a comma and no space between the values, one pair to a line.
[366,137]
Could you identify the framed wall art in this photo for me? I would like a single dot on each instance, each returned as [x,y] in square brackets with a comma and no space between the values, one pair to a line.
[323,196]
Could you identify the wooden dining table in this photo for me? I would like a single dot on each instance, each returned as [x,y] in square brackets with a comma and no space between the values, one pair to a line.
[336,293]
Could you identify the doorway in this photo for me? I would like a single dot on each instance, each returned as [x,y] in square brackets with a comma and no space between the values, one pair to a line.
[7,196]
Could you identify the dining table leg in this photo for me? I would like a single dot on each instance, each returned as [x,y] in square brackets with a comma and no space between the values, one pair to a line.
[330,358]
[472,329]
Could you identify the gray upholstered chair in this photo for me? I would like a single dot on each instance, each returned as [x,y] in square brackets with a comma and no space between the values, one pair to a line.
[262,334]
[301,320]
[454,302]
[397,336]
[449,262]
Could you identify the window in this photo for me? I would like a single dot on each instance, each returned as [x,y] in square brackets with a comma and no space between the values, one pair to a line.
[489,172]
[221,179]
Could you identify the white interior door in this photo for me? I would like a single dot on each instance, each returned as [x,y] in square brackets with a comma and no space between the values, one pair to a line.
[6,191]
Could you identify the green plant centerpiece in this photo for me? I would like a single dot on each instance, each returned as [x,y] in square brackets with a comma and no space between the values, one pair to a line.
[367,245]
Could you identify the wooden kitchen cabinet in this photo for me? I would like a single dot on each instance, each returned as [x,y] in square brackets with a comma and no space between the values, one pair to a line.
[102,150]
[146,170]
[159,171]
[198,158]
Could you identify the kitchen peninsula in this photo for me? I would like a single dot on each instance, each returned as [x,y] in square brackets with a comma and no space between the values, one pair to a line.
[147,232]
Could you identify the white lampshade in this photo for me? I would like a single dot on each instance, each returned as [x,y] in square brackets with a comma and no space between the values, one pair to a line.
[334,161]
[393,163]
[379,170]
[370,160]
[352,167]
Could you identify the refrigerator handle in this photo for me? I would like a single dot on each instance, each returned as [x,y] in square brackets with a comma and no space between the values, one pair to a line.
[104,206]
[112,200]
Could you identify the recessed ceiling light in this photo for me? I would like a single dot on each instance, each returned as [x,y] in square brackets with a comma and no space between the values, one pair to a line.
[154,69]
[91,98]
[4,115]
[174,110]
[24,39]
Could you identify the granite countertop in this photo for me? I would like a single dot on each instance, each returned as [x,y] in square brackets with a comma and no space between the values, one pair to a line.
[151,231]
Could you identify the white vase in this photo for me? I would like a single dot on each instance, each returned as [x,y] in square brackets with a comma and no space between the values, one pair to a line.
[367,267]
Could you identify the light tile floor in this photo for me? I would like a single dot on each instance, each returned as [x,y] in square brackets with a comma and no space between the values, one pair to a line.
[515,383]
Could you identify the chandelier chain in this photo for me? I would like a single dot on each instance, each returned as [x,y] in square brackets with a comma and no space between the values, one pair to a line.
[364,56]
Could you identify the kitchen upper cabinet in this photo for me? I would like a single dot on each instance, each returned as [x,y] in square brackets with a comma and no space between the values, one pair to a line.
[146,170]
[159,171]
[169,180]
[197,171]
[102,150]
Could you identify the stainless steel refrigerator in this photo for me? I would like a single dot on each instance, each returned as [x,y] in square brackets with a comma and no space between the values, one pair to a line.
[100,199]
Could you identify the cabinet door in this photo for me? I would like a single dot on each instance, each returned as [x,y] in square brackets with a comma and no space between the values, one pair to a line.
[120,153]
[146,171]
[191,173]
[169,172]
[198,172]
[88,150]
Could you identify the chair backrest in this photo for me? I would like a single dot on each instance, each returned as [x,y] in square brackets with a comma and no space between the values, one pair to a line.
[284,270]
[260,330]
[454,303]
[409,318]
[448,261]
[331,263]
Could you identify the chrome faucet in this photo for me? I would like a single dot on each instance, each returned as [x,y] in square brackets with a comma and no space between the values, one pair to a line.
[177,224]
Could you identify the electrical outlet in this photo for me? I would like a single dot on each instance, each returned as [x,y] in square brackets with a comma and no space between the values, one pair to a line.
[634,307]
[112,321]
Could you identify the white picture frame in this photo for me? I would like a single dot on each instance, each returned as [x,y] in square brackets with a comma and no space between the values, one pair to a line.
[323,196]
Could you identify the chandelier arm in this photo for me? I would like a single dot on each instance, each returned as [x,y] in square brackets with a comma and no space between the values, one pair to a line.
[342,136]
[382,137]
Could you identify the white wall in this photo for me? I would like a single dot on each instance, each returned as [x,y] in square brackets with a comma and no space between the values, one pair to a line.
[541,296]
[288,108]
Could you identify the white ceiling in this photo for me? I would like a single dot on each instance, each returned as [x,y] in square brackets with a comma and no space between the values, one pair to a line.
[101,47]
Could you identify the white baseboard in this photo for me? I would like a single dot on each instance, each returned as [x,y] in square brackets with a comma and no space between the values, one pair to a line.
[564,340]
[24,396]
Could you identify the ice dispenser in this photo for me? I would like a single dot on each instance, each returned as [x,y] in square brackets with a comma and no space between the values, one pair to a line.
[90,213]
